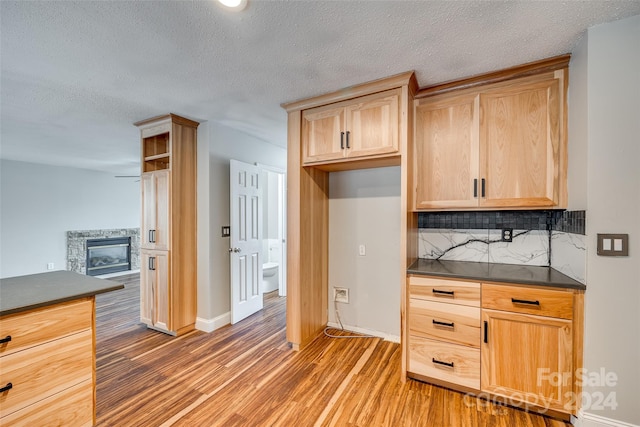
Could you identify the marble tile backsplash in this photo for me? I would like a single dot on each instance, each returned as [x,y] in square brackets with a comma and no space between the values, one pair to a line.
[543,238]
[529,247]
[569,254]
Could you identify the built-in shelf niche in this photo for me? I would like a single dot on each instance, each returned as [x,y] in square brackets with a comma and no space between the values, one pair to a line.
[156,152]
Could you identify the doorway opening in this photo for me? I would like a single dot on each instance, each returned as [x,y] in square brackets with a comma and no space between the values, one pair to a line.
[274,247]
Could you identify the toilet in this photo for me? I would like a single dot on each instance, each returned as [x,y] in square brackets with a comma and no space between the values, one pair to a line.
[270,276]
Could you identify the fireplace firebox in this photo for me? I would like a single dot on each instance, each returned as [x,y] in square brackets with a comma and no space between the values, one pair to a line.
[108,255]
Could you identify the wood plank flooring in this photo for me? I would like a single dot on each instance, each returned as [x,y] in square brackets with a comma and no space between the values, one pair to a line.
[246,375]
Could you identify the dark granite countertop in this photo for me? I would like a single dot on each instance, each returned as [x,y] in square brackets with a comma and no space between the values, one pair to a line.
[507,273]
[23,293]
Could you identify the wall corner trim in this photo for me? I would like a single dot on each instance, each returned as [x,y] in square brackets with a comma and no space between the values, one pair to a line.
[210,325]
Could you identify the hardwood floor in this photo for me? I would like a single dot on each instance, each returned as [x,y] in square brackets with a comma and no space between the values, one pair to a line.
[246,375]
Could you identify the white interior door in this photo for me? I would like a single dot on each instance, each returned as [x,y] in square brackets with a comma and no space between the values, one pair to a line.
[246,240]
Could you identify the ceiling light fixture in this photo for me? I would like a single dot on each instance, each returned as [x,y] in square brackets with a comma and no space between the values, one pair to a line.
[235,5]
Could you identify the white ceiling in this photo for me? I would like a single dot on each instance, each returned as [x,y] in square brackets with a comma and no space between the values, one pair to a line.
[76,75]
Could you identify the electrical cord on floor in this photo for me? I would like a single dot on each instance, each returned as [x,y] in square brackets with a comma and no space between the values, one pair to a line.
[335,306]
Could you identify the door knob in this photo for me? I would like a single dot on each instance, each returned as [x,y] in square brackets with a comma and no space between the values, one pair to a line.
[236,250]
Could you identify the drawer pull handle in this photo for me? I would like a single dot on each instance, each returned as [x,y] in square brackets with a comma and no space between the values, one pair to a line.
[8,387]
[524,301]
[439,362]
[5,339]
[448,325]
[486,332]
[439,292]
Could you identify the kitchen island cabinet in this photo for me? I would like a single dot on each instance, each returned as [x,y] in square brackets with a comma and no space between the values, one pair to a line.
[47,349]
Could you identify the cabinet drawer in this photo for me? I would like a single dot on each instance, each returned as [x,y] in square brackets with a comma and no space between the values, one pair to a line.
[541,302]
[453,291]
[448,322]
[46,369]
[458,364]
[41,325]
[72,407]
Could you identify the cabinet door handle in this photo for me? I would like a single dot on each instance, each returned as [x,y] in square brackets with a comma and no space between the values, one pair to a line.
[5,339]
[152,236]
[152,263]
[439,362]
[486,332]
[483,188]
[8,387]
[348,139]
[342,140]
[447,324]
[439,292]
[475,188]
[524,301]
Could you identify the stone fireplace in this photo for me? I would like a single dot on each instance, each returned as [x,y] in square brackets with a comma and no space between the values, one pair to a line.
[91,251]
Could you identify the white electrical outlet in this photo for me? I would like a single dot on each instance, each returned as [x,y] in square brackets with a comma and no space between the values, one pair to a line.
[50,266]
[362,250]
[341,295]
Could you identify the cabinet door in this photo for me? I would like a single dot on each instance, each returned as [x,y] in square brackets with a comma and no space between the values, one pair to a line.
[155,299]
[520,137]
[446,165]
[323,134]
[155,210]
[372,125]
[148,210]
[527,358]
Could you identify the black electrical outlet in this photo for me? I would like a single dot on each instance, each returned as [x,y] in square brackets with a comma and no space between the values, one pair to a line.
[507,234]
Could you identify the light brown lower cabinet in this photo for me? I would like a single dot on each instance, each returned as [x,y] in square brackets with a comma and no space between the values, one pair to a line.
[48,367]
[528,359]
[155,299]
[521,345]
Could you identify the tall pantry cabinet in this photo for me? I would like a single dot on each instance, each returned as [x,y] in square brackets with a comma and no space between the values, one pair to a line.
[168,280]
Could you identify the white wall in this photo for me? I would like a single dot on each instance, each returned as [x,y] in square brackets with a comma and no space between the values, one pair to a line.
[578,127]
[224,144]
[364,208]
[40,203]
[612,329]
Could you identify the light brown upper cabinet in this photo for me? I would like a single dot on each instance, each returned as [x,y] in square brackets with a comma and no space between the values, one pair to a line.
[494,146]
[361,127]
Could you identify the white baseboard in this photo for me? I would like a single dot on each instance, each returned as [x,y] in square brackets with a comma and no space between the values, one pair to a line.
[210,325]
[593,420]
[384,336]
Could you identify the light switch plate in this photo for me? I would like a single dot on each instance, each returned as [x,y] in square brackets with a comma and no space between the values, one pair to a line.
[226,231]
[613,244]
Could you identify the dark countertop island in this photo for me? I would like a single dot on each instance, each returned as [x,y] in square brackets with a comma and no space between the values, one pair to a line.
[23,293]
[501,273]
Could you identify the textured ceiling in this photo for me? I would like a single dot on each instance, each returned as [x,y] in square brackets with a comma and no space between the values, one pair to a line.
[76,75]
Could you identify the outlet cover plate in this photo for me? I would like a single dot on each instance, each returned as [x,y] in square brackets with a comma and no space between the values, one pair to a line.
[613,245]
[341,295]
